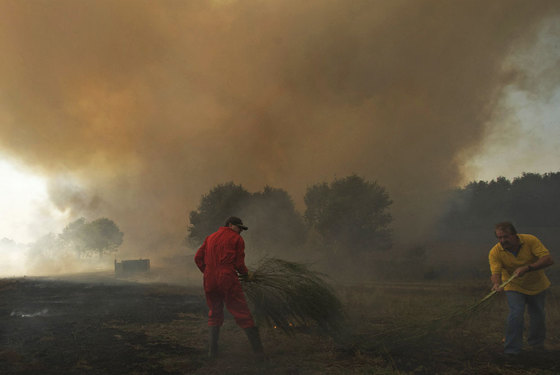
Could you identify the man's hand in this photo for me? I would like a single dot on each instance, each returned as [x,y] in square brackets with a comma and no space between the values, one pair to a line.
[249,276]
[496,282]
[521,271]
[496,287]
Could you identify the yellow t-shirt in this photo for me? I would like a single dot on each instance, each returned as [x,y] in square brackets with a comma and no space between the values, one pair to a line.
[505,263]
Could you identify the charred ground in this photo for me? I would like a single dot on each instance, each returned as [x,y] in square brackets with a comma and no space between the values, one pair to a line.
[99,325]
[61,326]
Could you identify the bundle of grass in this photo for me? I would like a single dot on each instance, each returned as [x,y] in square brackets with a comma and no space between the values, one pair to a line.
[290,296]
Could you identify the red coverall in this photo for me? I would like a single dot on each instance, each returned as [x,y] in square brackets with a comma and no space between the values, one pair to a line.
[220,257]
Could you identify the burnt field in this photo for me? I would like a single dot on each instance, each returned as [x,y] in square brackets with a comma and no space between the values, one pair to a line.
[99,325]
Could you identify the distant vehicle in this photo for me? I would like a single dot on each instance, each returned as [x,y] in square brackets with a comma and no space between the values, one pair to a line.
[127,268]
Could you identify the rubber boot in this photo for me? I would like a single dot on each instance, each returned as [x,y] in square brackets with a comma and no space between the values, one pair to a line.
[255,341]
[213,336]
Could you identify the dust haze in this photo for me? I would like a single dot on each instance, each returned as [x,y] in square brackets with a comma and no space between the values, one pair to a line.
[134,109]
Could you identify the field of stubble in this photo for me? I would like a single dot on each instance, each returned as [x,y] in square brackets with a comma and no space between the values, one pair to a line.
[99,325]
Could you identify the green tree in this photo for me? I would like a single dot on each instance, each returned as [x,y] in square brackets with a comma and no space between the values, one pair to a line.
[74,235]
[222,201]
[99,237]
[350,213]
[276,226]
[530,201]
[536,200]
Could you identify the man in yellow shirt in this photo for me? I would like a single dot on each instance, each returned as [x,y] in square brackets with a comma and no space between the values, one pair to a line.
[524,256]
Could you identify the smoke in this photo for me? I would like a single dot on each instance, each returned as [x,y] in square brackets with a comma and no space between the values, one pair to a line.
[134,109]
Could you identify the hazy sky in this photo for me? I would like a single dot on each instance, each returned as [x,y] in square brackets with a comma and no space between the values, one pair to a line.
[25,205]
[527,139]
[528,142]
[133,109]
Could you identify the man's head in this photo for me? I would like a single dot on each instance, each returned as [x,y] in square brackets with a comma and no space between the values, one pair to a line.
[507,235]
[236,224]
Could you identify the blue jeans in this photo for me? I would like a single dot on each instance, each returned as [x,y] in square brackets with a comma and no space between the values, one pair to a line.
[537,329]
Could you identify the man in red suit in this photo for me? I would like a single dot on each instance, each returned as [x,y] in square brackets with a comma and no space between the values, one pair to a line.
[222,260]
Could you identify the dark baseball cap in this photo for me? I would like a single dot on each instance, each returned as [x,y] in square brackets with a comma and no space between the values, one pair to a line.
[236,221]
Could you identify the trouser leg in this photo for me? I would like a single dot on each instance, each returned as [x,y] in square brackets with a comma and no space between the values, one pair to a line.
[237,305]
[215,302]
[514,330]
[537,327]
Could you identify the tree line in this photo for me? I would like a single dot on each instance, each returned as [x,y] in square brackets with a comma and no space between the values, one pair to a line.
[348,213]
[351,217]
[531,202]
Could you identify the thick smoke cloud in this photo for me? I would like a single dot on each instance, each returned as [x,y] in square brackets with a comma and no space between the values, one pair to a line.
[136,108]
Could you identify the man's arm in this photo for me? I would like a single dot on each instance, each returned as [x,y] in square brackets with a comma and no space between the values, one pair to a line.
[199,257]
[543,262]
[240,266]
[496,269]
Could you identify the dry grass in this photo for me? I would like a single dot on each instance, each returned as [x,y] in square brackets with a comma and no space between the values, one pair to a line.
[433,328]
[403,334]
[398,328]
[470,345]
